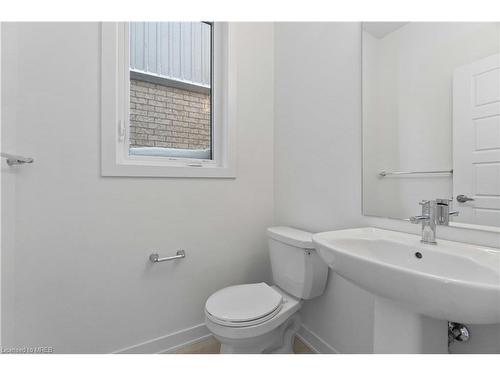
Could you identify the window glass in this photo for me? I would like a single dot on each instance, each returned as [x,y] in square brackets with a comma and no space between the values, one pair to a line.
[171,89]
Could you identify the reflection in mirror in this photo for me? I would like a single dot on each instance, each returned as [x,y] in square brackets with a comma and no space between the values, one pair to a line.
[431,119]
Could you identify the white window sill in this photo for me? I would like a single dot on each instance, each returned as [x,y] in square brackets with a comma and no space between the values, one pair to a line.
[173,171]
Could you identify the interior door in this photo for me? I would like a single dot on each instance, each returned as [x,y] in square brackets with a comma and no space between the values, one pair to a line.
[476,141]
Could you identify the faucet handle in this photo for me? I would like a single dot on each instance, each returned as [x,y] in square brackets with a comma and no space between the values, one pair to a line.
[418,219]
[423,202]
[453,213]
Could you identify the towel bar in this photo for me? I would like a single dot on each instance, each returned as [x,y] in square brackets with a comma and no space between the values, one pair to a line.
[385,173]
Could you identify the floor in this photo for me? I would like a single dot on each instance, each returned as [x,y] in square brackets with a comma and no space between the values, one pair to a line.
[212,346]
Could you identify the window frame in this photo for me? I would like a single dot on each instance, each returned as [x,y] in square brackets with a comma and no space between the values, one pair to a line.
[115,110]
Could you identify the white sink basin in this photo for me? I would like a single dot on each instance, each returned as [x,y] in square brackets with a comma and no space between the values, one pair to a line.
[450,281]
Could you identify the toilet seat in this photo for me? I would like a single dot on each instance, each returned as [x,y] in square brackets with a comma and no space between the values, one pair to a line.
[243,305]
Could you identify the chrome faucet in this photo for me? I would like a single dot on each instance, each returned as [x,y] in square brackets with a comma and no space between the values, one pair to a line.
[434,212]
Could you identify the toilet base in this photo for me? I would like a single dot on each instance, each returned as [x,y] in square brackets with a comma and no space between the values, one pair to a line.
[277,341]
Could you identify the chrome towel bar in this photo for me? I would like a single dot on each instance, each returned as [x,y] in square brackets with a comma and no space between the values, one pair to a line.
[385,173]
[16,159]
[155,258]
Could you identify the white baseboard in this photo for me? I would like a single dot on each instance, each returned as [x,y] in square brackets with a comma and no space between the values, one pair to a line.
[316,343]
[174,341]
[169,343]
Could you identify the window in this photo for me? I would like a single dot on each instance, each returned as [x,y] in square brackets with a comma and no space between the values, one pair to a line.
[170,89]
[167,100]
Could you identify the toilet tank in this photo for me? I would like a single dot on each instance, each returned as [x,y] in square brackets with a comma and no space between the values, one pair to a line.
[296,266]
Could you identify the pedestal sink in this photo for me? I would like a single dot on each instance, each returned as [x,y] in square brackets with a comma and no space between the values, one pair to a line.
[417,287]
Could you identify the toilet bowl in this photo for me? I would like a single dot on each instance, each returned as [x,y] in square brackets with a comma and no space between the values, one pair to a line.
[258,318]
[253,318]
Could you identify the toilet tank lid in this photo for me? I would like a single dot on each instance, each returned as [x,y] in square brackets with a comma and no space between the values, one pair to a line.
[291,236]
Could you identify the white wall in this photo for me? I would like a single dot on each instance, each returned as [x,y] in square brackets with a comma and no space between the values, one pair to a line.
[78,276]
[407,95]
[318,176]
[318,160]
[381,196]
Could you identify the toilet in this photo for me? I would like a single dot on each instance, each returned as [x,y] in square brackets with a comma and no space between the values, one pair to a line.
[259,318]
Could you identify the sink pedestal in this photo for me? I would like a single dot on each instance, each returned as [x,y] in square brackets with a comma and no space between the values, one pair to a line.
[447,281]
[399,331]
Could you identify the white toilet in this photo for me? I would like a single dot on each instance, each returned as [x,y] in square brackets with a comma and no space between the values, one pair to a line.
[258,318]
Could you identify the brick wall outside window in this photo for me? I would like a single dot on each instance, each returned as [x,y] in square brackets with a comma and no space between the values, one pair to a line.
[162,116]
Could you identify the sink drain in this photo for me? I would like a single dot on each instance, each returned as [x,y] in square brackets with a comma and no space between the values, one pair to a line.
[419,255]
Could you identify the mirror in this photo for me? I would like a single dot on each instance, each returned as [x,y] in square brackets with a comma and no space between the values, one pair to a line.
[431,119]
